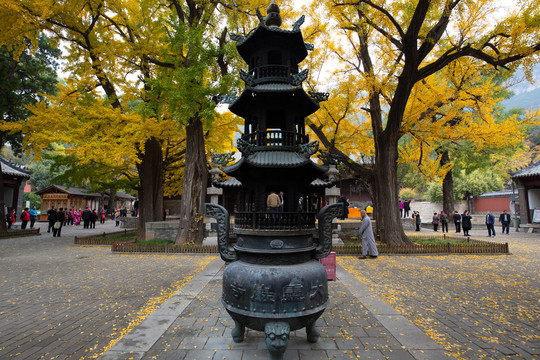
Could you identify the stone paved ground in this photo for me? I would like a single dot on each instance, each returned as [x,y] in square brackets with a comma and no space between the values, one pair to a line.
[193,325]
[61,301]
[348,330]
[476,306]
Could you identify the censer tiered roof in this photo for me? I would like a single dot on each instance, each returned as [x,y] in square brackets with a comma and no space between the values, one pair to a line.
[270,77]
[274,103]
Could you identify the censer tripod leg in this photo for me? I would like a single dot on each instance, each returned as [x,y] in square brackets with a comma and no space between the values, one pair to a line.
[238,332]
[312,333]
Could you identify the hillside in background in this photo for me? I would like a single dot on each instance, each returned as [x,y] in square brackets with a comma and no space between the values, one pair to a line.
[527,100]
[527,95]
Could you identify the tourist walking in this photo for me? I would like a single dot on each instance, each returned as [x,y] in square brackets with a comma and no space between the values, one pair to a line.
[417,221]
[117,217]
[300,207]
[93,219]
[457,221]
[77,217]
[51,216]
[466,222]
[102,214]
[435,222]
[33,216]
[86,216]
[369,248]
[444,221]
[25,218]
[490,224]
[70,217]
[401,207]
[273,202]
[345,207]
[505,221]
[60,217]
[10,218]
[406,208]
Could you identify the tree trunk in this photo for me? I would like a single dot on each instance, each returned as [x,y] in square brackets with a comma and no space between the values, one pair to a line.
[3,225]
[389,225]
[448,187]
[191,227]
[151,192]
[110,201]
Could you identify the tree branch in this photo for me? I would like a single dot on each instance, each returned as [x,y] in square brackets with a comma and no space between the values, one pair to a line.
[435,34]
[468,50]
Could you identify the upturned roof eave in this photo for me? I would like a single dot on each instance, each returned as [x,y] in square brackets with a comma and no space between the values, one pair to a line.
[528,171]
[246,46]
[240,105]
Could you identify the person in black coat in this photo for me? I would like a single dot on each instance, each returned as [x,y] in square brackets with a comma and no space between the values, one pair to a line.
[51,218]
[466,222]
[345,207]
[457,221]
[86,216]
[417,221]
[406,208]
[59,222]
[93,219]
[435,222]
[505,221]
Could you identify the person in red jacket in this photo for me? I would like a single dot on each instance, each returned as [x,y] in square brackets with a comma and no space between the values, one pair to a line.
[25,217]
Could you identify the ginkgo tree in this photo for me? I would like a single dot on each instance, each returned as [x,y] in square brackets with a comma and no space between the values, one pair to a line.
[458,108]
[142,80]
[394,53]
[91,114]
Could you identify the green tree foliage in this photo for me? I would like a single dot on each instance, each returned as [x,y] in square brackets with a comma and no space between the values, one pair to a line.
[24,78]
[475,183]
[23,81]
[35,200]
[42,174]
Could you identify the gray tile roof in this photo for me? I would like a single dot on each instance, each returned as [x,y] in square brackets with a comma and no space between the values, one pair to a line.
[531,170]
[14,170]
[273,87]
[233,182]
[70,190]
[277,158]
[498,193]
[230,182]
[84,192]
[321,183]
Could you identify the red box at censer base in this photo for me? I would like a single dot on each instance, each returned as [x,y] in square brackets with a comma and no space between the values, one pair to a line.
[329,264]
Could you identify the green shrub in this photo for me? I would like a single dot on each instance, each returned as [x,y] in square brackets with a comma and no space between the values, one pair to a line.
[407,193]
[156,242]
[437,241]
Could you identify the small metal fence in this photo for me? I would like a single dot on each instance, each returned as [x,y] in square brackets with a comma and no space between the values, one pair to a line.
[132,247]
[472,246]
[274,220]
[453,245]
[449,248]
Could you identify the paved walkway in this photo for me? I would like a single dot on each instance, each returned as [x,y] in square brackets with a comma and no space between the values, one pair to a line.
[475,306]
[60,301]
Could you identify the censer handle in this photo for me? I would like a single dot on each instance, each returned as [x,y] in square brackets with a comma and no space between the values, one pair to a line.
[326,216]
[221,215]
